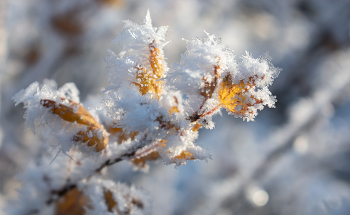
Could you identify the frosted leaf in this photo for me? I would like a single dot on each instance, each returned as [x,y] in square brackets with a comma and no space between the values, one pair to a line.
[245,91]
[42,180]
[180,149]
[198,64]
[141,48]
[133,111]
[260,67]
[211,78]
[107,197]
[32,96]
[67,122]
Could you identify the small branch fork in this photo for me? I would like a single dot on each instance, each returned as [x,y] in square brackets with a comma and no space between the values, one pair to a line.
[208,91]
[130,154]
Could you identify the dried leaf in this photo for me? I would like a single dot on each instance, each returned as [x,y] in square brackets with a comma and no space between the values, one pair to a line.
[141,161]
[233,95]
[184,155]
[72,203]
[149,82]
[110,201]
[92,134]
[121,134]
[196,126]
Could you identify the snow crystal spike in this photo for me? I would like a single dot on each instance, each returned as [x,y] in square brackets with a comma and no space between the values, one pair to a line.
[148,20]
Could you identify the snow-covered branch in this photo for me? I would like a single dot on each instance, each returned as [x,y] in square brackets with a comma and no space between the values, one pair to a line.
[150,112]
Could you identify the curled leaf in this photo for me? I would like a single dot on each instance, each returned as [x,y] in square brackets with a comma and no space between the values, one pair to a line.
[81,116]
[93,135]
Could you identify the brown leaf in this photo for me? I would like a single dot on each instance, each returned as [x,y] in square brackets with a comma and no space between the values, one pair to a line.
[81,116]
[141,161]
[110,202]
[120,134]
[72,203]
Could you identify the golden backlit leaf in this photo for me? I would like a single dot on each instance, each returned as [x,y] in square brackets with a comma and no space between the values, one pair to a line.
[149,81]
[146,82]
[196,126]
[233,95]
[173,110]
[156,60]
[184,155]
[81,116]
[92,134]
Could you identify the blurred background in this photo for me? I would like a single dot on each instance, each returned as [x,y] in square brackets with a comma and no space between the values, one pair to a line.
[294,159]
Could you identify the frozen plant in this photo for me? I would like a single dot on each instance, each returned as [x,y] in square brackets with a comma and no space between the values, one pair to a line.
[149,111]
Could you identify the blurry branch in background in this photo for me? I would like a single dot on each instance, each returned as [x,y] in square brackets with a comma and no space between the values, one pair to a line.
[329,35]
[3,44]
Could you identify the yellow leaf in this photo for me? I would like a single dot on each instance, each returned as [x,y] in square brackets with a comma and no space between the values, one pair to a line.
[156,60]
[196,126]
[83,117]
[233,95]
[174,110]
[91,136]
[149,81]
[184,155]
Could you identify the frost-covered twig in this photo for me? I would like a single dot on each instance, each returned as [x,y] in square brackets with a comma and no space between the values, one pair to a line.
[155,111]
